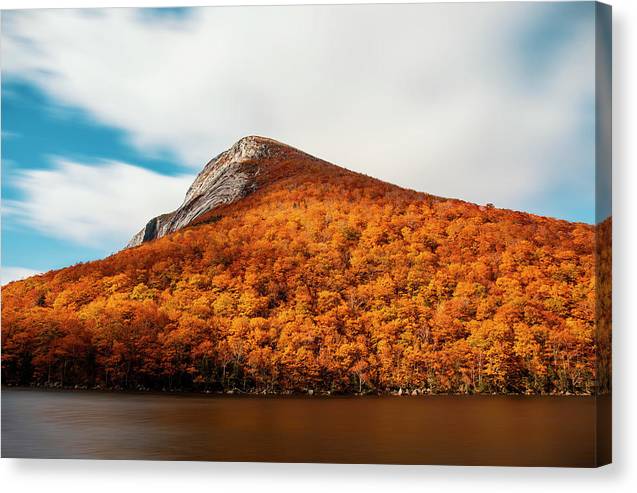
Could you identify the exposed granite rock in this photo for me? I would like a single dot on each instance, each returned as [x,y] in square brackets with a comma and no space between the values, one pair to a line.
[228,177]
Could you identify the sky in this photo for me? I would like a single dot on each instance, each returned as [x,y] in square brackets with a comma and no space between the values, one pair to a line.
[108,114]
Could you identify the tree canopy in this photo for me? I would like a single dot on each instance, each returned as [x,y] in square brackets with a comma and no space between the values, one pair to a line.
[324,280]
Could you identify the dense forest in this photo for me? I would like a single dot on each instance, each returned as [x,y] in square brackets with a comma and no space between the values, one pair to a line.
[324,280]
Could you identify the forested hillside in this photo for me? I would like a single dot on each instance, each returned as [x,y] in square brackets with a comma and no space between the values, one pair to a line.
[325,280]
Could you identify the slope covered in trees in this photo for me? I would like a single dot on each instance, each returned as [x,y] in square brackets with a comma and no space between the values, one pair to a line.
[325,280]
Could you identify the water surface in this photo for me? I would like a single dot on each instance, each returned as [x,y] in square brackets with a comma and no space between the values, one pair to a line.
[469,430]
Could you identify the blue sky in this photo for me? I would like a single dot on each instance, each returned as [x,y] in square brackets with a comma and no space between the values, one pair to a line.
[37,131]
[107,115]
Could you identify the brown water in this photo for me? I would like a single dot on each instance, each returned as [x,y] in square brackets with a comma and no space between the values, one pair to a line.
[470,430]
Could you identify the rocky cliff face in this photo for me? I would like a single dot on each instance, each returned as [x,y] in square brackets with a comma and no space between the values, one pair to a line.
[229,177]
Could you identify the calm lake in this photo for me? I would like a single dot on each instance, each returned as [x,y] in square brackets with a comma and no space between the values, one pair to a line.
[470,430]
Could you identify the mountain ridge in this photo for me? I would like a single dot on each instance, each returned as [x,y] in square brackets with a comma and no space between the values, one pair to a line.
[247,165]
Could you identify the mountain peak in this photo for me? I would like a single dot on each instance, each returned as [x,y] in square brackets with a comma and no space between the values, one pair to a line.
[226,178]
[255,147]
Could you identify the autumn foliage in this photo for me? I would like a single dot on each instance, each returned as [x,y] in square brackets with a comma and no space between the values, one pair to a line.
[321,280]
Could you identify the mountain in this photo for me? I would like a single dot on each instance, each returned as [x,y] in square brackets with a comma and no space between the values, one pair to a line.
[281,273]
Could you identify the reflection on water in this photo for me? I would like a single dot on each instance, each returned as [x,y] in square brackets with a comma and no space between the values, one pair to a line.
[471,430]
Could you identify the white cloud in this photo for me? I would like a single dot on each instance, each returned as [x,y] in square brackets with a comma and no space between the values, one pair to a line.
[93,205]
[9,274]
[432,97]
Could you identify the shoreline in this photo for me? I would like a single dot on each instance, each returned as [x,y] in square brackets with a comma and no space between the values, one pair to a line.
[255,394]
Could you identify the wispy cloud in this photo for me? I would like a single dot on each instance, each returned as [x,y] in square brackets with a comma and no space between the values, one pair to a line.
[93,205]
[9,274]
[6,134]
[435,97]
